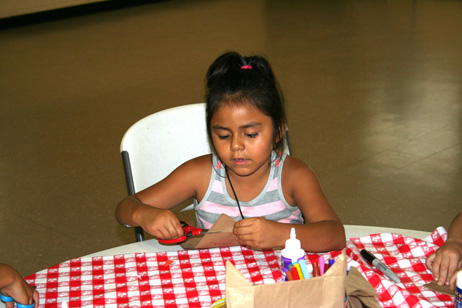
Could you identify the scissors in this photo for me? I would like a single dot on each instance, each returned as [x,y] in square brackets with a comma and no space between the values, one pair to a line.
[7,299]
[188,232]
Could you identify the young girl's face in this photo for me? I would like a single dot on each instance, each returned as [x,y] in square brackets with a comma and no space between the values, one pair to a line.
[243,138]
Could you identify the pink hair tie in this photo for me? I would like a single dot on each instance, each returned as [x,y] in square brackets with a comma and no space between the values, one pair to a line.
[246,67]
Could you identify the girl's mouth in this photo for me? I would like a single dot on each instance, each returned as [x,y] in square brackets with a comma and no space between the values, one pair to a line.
[240,161]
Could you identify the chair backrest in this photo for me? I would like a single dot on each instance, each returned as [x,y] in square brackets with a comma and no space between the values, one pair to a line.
[155,145]
[162,141]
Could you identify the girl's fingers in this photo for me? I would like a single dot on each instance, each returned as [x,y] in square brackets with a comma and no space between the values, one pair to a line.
[452,270]
[429,261]
[172,231]
[435,267]
[443,271]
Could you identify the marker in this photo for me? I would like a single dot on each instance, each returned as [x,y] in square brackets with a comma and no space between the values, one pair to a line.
[304,268]
[331,262]
[295,273]
[289,272]
[289,275]
[321,265]
[379,265]
[315,269]
[299,270]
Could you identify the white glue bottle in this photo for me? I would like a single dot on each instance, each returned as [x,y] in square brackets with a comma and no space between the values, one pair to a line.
[292,252]
[458,296]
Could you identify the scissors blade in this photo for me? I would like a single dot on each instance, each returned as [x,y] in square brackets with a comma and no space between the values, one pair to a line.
[208,232]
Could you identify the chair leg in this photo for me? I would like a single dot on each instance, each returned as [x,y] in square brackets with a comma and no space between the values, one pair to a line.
[139,234]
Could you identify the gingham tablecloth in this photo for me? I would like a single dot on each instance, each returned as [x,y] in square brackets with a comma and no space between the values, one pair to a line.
[406,257]
[188,278]
[196,278]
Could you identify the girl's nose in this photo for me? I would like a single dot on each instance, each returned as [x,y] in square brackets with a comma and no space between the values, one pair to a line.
[237,144]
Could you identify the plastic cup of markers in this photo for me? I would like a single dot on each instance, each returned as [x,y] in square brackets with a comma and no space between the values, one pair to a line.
[286,262]
[7,299]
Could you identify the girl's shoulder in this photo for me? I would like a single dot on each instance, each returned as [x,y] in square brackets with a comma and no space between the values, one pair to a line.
[195,172]
[296,171]
[294,164]
[200,163]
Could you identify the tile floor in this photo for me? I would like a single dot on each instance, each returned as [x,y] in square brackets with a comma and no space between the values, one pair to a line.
[374,105]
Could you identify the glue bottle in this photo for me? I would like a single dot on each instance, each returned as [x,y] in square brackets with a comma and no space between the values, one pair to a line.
[292,252]
[458,296]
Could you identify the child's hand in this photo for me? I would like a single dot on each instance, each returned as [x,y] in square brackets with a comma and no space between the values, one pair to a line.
[161,223]
[17,288]
[445,262]
[256,232]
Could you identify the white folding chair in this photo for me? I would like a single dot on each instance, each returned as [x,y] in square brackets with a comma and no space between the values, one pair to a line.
[155,145]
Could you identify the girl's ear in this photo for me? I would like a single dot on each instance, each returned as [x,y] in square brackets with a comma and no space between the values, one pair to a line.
[281,133]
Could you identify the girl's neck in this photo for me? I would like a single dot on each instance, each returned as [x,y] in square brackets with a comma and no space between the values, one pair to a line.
[248,187]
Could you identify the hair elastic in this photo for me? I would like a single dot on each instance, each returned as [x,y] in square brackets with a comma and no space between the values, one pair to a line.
[246,67]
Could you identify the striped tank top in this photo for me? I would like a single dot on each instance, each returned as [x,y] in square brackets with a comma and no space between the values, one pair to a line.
[270,203]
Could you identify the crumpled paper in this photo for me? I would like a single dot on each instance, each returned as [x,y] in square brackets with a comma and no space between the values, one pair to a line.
[219,235]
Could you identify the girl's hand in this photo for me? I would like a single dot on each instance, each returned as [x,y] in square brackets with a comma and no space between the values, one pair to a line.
[160,223]
[256,232]
[445,262]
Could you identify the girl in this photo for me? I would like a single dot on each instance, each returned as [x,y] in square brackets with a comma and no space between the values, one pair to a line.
[246,177]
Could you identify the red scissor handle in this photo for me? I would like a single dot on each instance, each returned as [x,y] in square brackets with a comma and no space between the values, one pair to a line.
[188,231]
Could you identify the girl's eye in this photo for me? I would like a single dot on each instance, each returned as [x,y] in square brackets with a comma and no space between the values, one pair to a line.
[252,135]
[223,137]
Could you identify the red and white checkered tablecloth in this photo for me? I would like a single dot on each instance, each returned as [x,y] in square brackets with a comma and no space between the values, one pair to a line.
[406,257]
[196,278]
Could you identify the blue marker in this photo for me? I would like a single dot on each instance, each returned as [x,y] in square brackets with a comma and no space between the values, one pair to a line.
[304,269]
[331,262]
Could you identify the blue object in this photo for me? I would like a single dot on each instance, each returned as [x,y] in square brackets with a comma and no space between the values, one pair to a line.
[6,299]
[25,306]
[304,269]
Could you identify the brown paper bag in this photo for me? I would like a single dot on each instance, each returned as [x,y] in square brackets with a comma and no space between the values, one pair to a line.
[327,291]
[220,235]
[359,291]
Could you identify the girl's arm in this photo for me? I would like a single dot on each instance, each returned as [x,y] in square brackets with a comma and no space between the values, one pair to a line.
[151,208]
[445,262]
[323,230]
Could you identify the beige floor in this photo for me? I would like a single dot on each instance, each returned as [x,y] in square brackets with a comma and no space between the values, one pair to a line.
[374,106]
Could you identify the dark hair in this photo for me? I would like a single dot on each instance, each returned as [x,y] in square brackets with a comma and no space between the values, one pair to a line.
[235,79]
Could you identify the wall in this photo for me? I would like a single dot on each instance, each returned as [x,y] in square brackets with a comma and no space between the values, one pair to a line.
[21,7]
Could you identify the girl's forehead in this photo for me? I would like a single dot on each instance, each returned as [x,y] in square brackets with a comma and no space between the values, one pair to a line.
[239,115]
[238,107]
[238,110]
